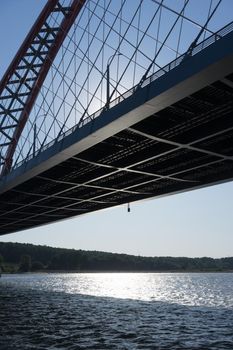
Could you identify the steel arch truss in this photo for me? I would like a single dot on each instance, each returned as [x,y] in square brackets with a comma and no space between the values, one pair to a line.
[23,80]
[60,72]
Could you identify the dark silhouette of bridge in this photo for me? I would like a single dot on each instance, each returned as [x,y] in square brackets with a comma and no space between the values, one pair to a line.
[171,131]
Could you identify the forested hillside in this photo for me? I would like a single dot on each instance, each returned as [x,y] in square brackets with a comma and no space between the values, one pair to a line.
[27,257]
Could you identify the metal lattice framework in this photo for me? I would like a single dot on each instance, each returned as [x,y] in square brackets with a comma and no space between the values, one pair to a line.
[24,78]
[59,75]
[114,101]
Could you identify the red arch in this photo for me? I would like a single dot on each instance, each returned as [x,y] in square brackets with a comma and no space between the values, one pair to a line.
[30,48]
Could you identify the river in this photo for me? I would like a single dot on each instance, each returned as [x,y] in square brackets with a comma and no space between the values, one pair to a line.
[117,311]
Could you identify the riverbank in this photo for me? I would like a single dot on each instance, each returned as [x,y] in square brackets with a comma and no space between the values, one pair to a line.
[16,257]
[113,272]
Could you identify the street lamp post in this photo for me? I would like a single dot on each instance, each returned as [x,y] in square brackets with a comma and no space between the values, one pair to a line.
[35,135]
[108,78]
[34,140]
[108,87]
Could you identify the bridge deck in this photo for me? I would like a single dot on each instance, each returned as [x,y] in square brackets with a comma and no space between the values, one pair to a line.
[173,135]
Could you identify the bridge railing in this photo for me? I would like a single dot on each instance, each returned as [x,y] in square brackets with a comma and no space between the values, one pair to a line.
[167,68]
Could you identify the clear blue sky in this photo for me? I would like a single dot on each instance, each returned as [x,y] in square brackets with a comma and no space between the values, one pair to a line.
[195,223]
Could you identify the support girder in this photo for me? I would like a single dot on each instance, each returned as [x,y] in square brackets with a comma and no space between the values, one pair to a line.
[173,134]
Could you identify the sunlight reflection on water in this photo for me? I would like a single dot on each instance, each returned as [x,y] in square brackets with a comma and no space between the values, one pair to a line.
[207,289]
[118,311]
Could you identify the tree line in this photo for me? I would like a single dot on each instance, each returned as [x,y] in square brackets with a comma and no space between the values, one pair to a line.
[18,257]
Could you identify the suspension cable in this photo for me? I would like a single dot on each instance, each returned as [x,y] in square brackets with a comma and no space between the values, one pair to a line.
[194,43]
[167,36]
[183,16]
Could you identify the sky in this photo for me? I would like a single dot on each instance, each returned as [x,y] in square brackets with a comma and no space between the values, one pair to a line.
[195,223]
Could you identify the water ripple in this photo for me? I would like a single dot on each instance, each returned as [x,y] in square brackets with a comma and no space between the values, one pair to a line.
[36,314]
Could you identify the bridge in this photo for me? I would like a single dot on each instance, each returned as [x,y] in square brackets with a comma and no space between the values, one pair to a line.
[159,129]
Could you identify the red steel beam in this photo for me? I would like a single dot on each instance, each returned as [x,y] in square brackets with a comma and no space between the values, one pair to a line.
[28,40]
[64,28]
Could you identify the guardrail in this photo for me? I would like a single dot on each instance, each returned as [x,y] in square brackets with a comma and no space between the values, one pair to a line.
[167,68]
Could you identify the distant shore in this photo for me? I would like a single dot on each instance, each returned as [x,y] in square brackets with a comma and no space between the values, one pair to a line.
[21,258]
[112,272]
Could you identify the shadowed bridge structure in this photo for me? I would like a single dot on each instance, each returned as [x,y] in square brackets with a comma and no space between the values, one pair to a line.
[171,131]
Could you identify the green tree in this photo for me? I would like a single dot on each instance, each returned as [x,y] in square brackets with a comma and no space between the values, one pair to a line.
[25,263]
[1,261]
[37,266]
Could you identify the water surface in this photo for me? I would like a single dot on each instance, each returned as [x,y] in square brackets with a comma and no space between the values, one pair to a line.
[117,311]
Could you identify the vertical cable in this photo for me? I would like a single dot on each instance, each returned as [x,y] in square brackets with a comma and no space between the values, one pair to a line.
[137,40]
[210,7]
[180,33]
[120,34]
[158,32]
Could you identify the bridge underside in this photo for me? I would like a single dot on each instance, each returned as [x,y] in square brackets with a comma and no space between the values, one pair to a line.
[185,146]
